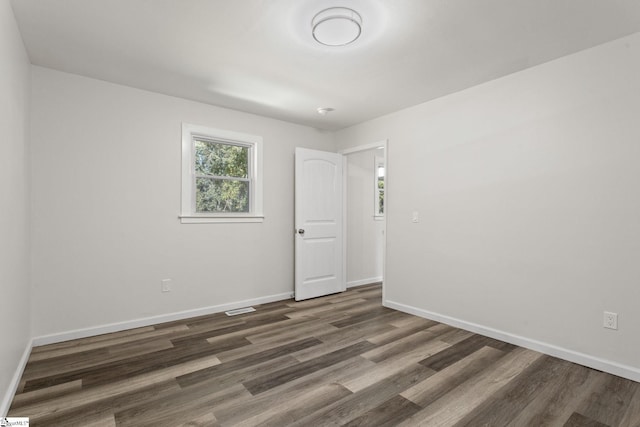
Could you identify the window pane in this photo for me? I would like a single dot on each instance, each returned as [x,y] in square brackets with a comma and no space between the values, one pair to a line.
[381,195]
[221,195]
[215,158]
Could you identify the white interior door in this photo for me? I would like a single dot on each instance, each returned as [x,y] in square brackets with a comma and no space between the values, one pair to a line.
[318,221]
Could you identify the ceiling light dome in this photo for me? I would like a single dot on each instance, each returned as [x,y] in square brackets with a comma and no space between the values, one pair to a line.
[336,26]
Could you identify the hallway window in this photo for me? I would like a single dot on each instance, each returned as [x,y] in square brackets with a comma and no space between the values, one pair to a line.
[379,186]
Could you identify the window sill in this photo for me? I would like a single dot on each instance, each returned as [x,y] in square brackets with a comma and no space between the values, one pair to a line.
[209,219]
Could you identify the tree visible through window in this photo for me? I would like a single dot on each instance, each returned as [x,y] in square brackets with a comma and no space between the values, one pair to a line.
[222,176]
[379,186]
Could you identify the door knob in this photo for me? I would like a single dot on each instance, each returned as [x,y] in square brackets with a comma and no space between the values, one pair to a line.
[301,231]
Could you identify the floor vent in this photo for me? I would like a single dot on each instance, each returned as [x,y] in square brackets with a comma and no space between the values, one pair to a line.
[237,311]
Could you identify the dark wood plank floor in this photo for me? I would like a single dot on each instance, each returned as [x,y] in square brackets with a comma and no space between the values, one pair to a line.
[338,360]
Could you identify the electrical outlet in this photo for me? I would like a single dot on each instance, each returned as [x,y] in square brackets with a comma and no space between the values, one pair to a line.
[415,217]
[165,285]
[610,320]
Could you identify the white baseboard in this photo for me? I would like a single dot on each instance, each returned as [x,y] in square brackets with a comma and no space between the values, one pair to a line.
[15,381]
[609,366]
[363,282]
[153,320]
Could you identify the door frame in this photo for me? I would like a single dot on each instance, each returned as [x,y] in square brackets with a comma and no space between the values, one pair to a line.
[384,144]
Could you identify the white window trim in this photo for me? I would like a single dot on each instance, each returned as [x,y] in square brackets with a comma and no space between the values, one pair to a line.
[188,214]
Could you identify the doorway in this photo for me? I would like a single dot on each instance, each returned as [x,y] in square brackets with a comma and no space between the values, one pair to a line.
[365,176]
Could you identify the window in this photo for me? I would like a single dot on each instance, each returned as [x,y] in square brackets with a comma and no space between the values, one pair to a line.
[379,187]
[221,176]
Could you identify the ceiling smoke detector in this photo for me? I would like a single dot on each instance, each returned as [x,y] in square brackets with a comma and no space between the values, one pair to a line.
[324,110]
[336,26]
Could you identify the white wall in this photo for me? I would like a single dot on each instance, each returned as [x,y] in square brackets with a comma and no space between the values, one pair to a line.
[527,189]
[106,200]
[15,332]
[364,232]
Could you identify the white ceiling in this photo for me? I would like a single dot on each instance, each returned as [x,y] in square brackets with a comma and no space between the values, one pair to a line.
[258,55]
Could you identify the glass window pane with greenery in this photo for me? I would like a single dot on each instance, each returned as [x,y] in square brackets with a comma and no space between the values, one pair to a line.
[222,173]
[379,187]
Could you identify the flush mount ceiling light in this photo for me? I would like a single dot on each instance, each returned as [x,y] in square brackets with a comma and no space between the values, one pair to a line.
[336,26]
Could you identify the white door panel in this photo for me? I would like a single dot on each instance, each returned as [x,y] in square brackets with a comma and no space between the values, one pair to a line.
[318,219]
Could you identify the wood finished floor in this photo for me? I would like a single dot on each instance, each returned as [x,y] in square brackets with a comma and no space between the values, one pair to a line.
[338,360]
